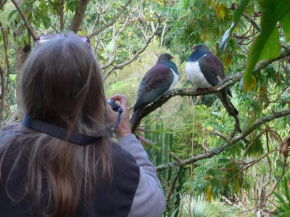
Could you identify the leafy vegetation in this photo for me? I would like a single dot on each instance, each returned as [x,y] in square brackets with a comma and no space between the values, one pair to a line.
[202,160]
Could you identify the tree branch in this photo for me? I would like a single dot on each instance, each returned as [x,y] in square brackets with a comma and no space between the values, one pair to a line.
[113,52]
[252,22]
[5,32]
[2,76]
[61,19]
[120,66]
[112,21]
[79,15]
[169,193]
[24,19]
[224,147]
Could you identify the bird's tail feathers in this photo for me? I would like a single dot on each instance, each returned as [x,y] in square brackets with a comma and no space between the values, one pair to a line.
[134,119]
[232,111]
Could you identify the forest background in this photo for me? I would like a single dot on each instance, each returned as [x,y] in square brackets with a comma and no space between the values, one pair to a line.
[209,163]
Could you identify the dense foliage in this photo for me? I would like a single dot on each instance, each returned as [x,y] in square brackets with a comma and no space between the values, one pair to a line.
[213,165]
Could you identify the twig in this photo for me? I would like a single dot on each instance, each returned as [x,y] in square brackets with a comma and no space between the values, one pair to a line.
[169,193]
[24,19]
[2,93]
[120,66]
[174,155]
[61,18]
[252,22]
[112,21]
[113,52]
[220,135]
[5,43]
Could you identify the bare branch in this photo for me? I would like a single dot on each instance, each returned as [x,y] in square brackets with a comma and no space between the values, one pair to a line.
[24,19]
[5,43]
[79,15]
[220,135]
[173,155]
[120,66]
[169,192]
[116,38]
[61,18]
[227,145]
[2,96]
[252,21]
[112,21]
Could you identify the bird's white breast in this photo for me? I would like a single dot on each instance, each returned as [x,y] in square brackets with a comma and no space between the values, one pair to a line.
[175,80]
[195,75]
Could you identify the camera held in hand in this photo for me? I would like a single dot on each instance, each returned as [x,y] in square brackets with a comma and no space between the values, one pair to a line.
[114,106]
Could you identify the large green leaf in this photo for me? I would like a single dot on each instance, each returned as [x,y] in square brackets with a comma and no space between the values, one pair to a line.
[280,198]
[272,12]
[237,15]
[285,185]
[285,23]
[286,214]
[271,48]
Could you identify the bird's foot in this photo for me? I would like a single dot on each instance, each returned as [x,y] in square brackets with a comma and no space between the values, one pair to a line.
[198,89]
[203,89]
[215,87]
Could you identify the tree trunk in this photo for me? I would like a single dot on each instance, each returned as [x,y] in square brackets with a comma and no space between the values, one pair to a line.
[79,15]
[21,54]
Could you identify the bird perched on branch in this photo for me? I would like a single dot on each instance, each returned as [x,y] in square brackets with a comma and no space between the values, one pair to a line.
[162,77]
[205,70]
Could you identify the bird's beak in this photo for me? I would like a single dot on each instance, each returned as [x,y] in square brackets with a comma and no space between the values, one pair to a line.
[193,48]
[172,57]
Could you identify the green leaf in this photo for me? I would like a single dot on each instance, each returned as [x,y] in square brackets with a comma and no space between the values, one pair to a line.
[12,77]
[271,48]
[285,23]
[272,12]
[11,14]
[46,22]
[286,214]
[237,15]
[110,46]
[280,197]
[286,189]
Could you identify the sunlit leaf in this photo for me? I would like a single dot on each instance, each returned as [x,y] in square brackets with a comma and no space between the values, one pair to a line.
[209,193]
[110,46]
[221,10]
[12,77]
[248,82]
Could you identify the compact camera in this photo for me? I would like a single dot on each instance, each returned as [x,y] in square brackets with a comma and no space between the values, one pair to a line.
[114,105]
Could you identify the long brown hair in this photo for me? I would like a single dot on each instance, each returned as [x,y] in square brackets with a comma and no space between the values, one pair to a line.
[61,84]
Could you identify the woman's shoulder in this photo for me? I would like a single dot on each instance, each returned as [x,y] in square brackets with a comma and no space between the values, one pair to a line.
[120,154]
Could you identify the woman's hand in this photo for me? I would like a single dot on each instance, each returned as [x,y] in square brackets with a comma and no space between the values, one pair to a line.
[124,127]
